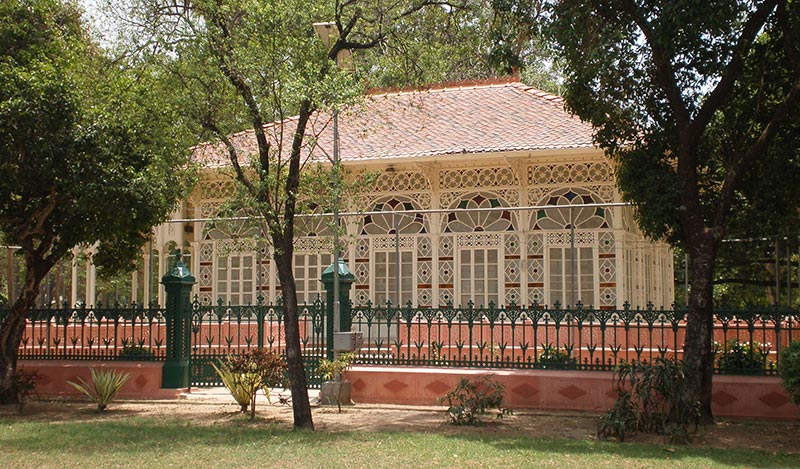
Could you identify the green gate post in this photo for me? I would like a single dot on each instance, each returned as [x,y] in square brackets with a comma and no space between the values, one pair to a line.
[346,279]
[178,284]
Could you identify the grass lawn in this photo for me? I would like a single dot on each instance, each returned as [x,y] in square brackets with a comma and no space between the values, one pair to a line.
[166,442]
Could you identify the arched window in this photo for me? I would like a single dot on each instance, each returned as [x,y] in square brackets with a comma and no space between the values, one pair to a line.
[382,224]
[587,218]
[471,218]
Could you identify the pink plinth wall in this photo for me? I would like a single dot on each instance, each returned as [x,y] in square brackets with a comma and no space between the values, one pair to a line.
[144,383]
[734,396]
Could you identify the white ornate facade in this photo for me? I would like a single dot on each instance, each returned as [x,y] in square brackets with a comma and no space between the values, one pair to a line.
[450,250]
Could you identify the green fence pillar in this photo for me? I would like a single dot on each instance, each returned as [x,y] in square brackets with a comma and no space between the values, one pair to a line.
[178,284]
[346,279]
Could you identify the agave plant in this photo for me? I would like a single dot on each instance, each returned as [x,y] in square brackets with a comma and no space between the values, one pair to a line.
[104,386]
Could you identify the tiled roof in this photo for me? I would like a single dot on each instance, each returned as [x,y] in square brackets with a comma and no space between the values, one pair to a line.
[480,118]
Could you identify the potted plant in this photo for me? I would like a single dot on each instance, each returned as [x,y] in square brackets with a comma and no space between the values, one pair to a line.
[336,389]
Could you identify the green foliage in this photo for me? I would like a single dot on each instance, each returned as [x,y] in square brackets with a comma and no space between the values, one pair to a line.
[336,369]
[652,398]
[472,398]
[23,386]
[104,386]
[789,370]
[741,357]
[136,352]
[556,358]
[246,373]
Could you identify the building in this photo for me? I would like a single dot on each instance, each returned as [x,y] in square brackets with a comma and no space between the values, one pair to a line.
[444,154]
[504,199]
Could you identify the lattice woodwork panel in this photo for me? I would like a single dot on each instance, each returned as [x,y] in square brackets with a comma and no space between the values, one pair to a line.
[570,173]
[535,244]
[608,297]
[446,245]
[512,271]
[582,238]
[402,181]
[219,189]
[536,270]
[512,296]
[446,295]
[608,270]
[362,273]
[535,295]
[425,297]
[479,240]
[424,272]
[424,247]
[446,272]
[386,243]
[477,177]
[607,245]
[362,248]
[313,244]
[512,244]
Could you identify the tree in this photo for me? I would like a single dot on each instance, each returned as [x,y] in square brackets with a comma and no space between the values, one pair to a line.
[88,156]
[692,100]
[259,65]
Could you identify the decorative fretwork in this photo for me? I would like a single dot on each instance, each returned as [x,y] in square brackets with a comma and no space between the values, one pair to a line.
[536,271]
[470,178]
[570,173]
[567,217]
[470,219]
[424,272]
[512,244]
[535,244]
[608,270]
[402,181]
[381,224]
[386,243]
[479,240]
[424,247]
[446,245]
[606,243]
[512,271]
[563,238]
[446,272]
[218,189]
[313,244]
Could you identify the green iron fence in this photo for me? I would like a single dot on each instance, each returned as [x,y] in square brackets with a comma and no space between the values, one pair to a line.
[580,338]
[114,332]
[220,330]
[747,341]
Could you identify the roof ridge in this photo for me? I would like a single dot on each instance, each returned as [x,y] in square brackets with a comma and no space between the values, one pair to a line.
[447,85]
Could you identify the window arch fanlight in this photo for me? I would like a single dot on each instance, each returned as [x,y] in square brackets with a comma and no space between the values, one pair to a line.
[383,224]
[469,219]
[223,228]
[581,217]
[314,226]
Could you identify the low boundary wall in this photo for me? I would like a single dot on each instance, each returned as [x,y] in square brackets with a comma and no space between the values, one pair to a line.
[734,396]
[144,383]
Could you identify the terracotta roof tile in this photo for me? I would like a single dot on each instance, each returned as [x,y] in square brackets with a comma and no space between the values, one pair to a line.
[451,120]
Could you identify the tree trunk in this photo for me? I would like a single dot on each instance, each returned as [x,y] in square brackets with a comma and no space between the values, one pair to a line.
[698,347]
[11,331]
[301,408]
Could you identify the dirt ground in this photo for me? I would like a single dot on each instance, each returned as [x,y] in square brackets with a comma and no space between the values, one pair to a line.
[216,407]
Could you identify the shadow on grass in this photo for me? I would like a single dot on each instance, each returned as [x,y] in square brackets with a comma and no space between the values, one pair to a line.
[643,452]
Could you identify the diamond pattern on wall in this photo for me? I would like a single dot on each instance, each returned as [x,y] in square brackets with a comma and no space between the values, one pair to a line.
[572,392]
[395,386]
[774,399]
[359,384]
[140,382]
[525,391]
[723,398]
[437,387]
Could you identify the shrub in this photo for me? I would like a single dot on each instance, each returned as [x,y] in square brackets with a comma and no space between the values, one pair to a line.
[23,386]
[472,398]
[245,373]
[554,357]
[789,370]
[336,369]
[136,352]
[741,358]
[104,386]
[652,398]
